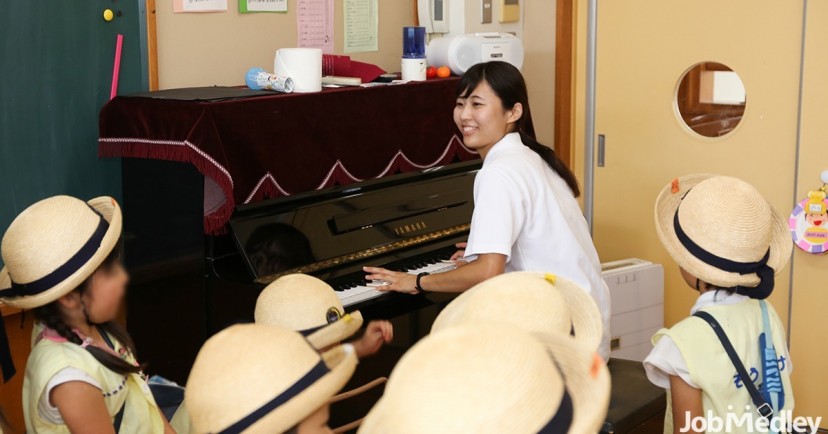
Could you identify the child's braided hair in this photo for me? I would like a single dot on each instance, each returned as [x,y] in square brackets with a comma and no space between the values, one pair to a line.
[52,318]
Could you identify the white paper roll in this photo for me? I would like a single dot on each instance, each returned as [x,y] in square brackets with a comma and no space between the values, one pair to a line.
[303,65]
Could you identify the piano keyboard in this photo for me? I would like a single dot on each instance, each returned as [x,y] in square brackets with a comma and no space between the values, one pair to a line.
[357,291]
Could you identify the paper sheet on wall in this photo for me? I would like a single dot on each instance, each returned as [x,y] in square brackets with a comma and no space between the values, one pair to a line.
[314,21]
[199,6]
[360,26]
[248,6]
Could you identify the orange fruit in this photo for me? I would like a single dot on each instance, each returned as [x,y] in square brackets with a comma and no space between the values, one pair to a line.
[443,72]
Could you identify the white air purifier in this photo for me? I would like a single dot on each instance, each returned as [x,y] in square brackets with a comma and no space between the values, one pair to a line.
[636,290]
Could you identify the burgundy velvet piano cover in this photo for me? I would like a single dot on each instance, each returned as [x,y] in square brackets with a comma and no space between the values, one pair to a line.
[283,144]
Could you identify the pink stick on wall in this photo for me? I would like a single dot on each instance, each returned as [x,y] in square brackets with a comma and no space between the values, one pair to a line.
[116,67]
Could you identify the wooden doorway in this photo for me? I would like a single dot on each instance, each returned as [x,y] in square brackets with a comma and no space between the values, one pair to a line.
[564,64]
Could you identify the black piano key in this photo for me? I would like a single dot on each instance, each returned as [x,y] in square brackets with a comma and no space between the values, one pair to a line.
[405,266]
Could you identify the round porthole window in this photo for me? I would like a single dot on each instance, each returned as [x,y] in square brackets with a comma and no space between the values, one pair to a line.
[711,99]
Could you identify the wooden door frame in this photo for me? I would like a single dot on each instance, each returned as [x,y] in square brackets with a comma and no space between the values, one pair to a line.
[564,66]
[152,45]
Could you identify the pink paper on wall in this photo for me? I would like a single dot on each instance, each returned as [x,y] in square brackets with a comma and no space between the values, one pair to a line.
[314,22]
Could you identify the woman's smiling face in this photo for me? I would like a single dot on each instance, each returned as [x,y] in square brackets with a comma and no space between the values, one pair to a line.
[480,116]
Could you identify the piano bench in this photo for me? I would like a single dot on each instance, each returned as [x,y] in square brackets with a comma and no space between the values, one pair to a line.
[634,400]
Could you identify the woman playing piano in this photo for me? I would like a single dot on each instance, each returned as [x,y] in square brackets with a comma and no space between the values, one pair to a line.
[526,216]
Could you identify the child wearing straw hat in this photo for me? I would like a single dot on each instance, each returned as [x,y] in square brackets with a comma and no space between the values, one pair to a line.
[62,259]
[534,302]
[491,377]
[730,357]
[561,316]
[258,378]
[310,306]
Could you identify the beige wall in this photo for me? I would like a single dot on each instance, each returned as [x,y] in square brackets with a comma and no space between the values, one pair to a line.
[218,48]
[539,65]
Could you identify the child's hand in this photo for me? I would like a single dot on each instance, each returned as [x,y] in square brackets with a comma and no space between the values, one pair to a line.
[376,334]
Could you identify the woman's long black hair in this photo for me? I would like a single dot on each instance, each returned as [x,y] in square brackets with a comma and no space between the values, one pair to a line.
[507,83]
[52,318]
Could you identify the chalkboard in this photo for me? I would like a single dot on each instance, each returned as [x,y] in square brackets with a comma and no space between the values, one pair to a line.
[55,75]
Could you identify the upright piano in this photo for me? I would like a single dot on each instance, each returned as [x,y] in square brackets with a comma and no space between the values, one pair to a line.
[187,285]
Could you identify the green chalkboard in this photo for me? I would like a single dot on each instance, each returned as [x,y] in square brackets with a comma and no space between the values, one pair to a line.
[55,76]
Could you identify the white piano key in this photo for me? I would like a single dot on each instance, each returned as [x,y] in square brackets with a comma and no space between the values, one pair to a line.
[433,268]
[355,290]
[354,298]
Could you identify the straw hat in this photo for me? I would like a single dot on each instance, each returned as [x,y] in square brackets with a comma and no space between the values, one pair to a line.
[534,302]
[587,378]
[308,305]
[260,378]
[482,377]
[53,246]
[727,229]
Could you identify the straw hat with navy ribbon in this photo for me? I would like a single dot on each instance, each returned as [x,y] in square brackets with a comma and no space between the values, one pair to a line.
[542,304]
[52,247]
[482,377]
[536,302]
[308,305]
[722,231]
[257,378]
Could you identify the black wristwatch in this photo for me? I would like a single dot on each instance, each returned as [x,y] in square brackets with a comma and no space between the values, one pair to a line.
[417,285]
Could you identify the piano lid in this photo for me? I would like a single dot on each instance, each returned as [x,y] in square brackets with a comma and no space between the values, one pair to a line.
[320,230]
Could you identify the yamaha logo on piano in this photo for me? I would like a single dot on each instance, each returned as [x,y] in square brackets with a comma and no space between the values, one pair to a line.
[414,227]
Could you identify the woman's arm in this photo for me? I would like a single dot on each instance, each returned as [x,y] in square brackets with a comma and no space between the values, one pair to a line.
[82,408]
[687,405]
[484,267]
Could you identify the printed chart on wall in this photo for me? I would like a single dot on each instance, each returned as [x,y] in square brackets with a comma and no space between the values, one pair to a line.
[200,6]
[360,26]
[251,6]
[314,21]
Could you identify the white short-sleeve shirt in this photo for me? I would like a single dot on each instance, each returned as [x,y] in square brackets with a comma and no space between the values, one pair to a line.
[526,211]
[45,408]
